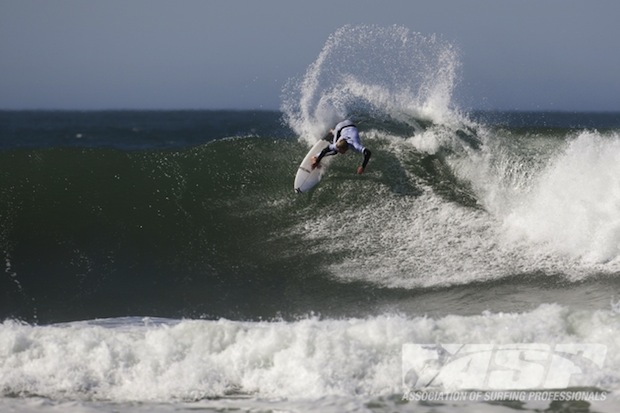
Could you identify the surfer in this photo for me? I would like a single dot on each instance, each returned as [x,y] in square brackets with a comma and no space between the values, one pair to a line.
[343,136]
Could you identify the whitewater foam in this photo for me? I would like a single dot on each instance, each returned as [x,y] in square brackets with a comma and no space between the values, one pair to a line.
[573,206]
[124,360]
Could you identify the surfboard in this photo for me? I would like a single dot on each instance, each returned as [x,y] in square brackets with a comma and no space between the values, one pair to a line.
[306,177]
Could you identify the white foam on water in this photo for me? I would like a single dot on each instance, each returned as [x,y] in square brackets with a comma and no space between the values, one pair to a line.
[309,359]
[573,206]
[409,242]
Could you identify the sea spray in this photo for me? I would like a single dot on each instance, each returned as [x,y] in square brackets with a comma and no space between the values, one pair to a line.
[373,72]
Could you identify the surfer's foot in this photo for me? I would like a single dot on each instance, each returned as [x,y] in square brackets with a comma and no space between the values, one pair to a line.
[314,163]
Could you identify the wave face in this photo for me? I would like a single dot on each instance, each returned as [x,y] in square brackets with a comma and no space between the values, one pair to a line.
[216,230]
[191,214]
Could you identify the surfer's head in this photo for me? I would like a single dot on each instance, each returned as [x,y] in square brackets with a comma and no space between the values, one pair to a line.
[342,146]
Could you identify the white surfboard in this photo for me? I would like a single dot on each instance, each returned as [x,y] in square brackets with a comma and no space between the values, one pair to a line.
[307,177]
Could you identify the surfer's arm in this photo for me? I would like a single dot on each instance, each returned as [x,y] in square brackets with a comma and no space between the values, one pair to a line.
[367,155]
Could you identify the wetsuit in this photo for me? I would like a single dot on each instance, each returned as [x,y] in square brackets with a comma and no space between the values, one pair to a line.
[347,131]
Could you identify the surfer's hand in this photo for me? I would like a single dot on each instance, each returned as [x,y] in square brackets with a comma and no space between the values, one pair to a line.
[360,170]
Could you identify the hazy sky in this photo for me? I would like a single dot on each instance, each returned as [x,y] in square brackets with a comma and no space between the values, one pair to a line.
[220,54]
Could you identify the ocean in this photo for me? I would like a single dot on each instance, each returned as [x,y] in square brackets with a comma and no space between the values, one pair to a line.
[160,261]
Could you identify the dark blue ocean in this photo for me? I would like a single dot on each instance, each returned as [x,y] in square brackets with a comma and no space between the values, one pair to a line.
[162,262]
